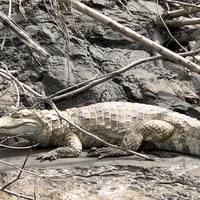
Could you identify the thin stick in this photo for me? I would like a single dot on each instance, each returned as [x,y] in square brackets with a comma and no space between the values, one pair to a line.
[8,76]
[19,168]
[73,87]
[19,175]
[9,15]
[18,148]
[168,31]
[15,85]
[183,3]
[17,194]
[183,21]
[180,12]
[23,36]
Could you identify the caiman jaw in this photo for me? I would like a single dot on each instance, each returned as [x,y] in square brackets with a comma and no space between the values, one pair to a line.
[22,123]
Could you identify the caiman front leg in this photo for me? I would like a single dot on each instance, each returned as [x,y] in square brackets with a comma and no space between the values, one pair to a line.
[150,131]
[72,148]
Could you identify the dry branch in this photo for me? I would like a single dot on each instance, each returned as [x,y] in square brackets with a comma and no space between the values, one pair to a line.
[132,34]
[180,12]
[182,22]
[5,34]
[187,5]
[24,87]
[19,168]
[18,148]
[23,36]
[19,196]
[19,175]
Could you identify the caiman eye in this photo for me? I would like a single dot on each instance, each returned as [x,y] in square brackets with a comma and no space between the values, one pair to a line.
[21,113]
[15,115]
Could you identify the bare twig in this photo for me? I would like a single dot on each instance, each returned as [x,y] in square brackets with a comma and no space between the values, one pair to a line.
[125,7]
[34,189]
[23,36]
[17,178]
[168,31]
[183,3]
[17,194]
[9,15]
[19,168]
[15,85]
[101,173]
[183,21]
[8,76]
[19,175]
[74,87]
[7,138]
[18,148]
[59,19]
[180,12]
[10,137]
[21,9]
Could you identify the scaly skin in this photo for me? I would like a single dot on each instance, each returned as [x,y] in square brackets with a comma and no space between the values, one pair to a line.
[120,123]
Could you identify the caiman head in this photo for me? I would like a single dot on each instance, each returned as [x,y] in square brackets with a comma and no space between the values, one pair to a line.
[23,123]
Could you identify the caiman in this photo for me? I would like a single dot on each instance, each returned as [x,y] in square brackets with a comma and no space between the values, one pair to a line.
[121,123]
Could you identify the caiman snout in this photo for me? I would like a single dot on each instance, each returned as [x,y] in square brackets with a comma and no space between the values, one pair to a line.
[22,122]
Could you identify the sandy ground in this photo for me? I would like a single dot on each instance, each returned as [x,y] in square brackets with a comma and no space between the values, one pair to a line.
[171,176]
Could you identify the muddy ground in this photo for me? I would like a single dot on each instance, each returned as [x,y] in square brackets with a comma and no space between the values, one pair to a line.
[169,177]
